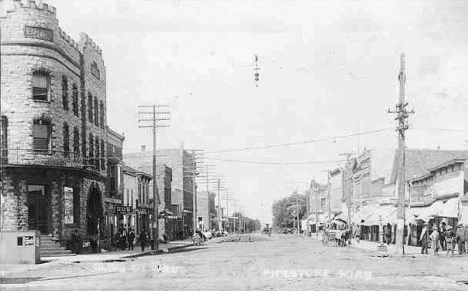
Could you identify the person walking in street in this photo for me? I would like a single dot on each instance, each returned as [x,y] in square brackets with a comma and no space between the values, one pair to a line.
[388,233]
[450,239]
[75,242]
[424,239]
[130,238]
[143,240]
[460,238]
[357,232]
[435,240]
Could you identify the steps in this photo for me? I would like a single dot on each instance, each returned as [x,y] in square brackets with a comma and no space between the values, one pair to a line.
[50,248]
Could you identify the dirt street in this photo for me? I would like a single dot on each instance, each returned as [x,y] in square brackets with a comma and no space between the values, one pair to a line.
[282,262]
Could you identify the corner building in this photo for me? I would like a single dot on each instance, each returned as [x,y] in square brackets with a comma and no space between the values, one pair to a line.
[53,125]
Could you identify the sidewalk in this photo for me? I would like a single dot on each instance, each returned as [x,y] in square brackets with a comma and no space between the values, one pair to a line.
[391,249]
[121,255]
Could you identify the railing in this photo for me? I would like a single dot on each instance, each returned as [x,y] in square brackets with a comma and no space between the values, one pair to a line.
[53,158]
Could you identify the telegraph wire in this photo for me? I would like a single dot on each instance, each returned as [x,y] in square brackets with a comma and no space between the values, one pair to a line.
[300,142]
[276,163]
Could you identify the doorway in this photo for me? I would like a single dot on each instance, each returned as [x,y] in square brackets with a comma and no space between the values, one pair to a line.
[38,209]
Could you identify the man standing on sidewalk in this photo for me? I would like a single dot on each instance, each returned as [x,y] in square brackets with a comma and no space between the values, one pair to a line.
[435,241]
[461,238]
[131,238]
[424,239]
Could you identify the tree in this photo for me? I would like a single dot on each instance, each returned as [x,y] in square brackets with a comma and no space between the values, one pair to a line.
[285,211]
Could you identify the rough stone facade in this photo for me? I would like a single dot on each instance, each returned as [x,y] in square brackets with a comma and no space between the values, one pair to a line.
[32,43]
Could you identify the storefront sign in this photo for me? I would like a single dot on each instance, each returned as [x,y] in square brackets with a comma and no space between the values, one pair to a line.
[68,194]
[142,211]
[123,209]
[39,33]
[113,200]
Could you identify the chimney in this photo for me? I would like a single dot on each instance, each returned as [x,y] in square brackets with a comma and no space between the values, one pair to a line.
[143,148]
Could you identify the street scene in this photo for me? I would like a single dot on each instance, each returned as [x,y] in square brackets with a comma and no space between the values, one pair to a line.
[233,145]
[266,263]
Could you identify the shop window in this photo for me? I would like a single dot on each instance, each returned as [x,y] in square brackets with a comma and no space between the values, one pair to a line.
[41,136]
[75,100]
[65,93]
[66,140]
[40,86]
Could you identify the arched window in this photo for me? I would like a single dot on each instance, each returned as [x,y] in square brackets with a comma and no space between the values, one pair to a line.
[76,143]
[101,109]
[91,149]
[66,140]
[96,112]
[41,85]
[75,100]
[41,136]
[65,93]
[90,107]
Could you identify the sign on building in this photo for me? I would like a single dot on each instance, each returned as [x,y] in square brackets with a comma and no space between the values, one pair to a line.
[68,194]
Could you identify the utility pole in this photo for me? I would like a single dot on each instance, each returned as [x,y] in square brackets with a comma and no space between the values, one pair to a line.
[1,136]
[297,210]
[316,192]
[154,113]
[348,196]
[220,227]
[402,118]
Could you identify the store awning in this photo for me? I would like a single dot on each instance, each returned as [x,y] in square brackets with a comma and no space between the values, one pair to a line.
[448,208]
[364,213]
[383,214]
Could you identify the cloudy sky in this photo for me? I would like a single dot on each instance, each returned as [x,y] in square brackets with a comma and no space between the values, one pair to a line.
[328,69]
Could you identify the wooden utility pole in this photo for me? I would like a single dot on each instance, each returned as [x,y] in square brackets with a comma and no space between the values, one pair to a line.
[329,199]
[402,118]
[154,126]
[343,183]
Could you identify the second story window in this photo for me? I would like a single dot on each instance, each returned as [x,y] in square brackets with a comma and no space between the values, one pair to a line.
[91,149]
[65,93]
[103,157]
[66,140]
[40,86]
[41,136]
[75,100]
[96,112]
[76,142]
[90,108]
[101,109]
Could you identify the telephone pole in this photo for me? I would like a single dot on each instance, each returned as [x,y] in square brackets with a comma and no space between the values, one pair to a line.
[156,116]
[402,118]
[348,196]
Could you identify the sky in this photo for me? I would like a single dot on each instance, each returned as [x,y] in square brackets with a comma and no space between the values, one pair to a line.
[327,69]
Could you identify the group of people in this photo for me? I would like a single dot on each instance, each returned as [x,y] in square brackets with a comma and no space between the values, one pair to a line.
[444,237]
[126,239]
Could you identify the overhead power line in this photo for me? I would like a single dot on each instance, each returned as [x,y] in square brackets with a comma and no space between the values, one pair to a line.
[277,163]
[300,142]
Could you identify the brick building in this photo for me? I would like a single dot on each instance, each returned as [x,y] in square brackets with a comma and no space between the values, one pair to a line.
[54,124]
[181,162]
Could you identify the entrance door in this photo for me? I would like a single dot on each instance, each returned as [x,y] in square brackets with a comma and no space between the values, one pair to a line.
[38,207]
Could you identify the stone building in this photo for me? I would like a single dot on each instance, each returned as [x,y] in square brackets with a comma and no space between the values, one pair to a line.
[181,162]
[54,124]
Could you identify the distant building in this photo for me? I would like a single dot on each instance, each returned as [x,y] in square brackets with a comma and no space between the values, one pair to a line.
[181,162]
[206,212]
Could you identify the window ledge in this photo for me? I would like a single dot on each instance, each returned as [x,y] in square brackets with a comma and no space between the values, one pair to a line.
[41,101]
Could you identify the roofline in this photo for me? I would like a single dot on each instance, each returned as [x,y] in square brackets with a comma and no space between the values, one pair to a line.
[434,169]
[114,133]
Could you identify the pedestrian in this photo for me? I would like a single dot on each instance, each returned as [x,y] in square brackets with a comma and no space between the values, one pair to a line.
[75,242]
[357,232]
[435,240]
[461,238]
[388,233]
[130,238]
[442,229]
[450,239]
[143,240]
[424,239]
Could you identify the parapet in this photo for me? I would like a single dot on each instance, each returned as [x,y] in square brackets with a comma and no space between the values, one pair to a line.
[32,4]
[85,40]
[68,39]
